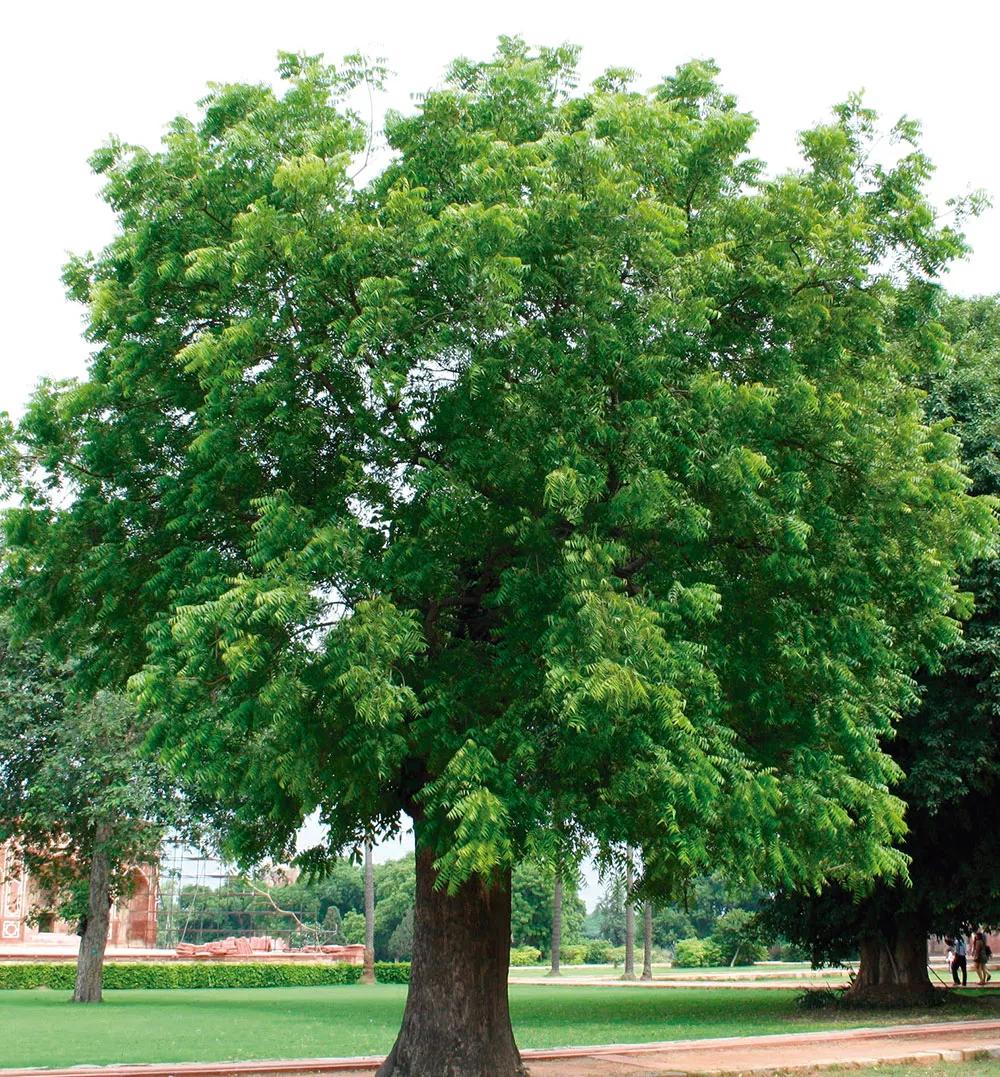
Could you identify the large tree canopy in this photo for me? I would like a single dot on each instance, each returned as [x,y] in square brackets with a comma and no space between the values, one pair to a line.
[949,749]
[564,482]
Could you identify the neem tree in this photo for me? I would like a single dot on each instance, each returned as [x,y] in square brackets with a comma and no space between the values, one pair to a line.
[949,748]
[562,484]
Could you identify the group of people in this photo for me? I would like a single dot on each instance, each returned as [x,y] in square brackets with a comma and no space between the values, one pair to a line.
[959,952]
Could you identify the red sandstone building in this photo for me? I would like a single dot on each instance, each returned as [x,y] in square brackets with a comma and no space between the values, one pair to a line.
[25,919]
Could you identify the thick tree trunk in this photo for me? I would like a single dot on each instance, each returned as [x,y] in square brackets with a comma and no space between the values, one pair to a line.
[456,1022]
[557,902]
[94,936]
[647,940]
[368,976]
[893,969]
[629,973]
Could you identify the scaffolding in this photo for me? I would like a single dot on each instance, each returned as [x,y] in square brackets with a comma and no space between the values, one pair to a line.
[201,899]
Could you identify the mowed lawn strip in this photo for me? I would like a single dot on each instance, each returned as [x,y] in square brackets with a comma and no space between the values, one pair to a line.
[40,1028]
[791,973]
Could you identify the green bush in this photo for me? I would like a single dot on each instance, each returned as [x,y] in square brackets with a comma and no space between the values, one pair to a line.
[572,955]
[525,955]
[695,954]
[142,975]
[617,955]
[598,952]
[392,972]
[737,934]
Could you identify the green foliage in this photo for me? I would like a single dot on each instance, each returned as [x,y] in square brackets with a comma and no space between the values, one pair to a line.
[671,924]
[950,747]
[696,954]
[74,780]
[332,923]
[598,952]
[531,906]
[574,954]
[401,940]
[395,881]
[178,974]
[737,937]
[392,972]
[572,461]
[352,927]
[525,955]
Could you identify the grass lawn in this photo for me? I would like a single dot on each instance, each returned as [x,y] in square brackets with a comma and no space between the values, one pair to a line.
[40,1028]
[662,972]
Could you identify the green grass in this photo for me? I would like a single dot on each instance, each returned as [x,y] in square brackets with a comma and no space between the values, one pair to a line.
[40,1028]
[761,972]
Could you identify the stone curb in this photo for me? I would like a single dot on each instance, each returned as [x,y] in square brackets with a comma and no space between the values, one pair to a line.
[369,1063]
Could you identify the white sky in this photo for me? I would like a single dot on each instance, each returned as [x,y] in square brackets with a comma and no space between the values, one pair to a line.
[71,73]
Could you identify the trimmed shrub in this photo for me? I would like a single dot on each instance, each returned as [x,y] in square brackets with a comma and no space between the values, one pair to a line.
[525,955]
[695,954]
[152,975]
[598,952]
[392,972]
[572,955]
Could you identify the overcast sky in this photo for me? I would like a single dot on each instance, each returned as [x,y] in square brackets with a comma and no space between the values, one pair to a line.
[72,73]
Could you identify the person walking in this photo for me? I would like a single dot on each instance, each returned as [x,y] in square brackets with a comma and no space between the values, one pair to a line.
[959,960]
[981,954]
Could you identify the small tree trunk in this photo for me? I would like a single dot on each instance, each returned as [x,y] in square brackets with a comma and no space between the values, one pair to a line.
[368,976]
[629,973]
[557,902]
[94,937]
[893,969]
[457,1022]
[647,940]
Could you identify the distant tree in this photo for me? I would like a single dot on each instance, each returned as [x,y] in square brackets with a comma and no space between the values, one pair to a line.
[628,972]
[555,948]
[332,924]
[671,924]
[737,934]
[611,912]
[400,946]
[533,887]
[368,976]
[395,886]
[80,803]
[352,927]
[647,940]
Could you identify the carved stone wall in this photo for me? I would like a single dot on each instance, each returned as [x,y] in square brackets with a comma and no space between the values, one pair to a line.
[132,924]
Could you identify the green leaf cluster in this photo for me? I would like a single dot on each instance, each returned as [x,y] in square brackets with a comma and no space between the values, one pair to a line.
[572,468]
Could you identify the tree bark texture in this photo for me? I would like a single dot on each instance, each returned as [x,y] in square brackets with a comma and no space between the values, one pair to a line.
[457,1022]
[629,973]
[94,937]
[647,940]
[368,976]
[893,969]
[557,902]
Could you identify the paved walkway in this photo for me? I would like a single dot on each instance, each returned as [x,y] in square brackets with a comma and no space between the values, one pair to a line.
[945,1040]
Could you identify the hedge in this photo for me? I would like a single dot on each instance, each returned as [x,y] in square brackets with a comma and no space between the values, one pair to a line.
[525,955]
[695,954]
[137,975]
[392,972]
[599,952]
[573,954]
